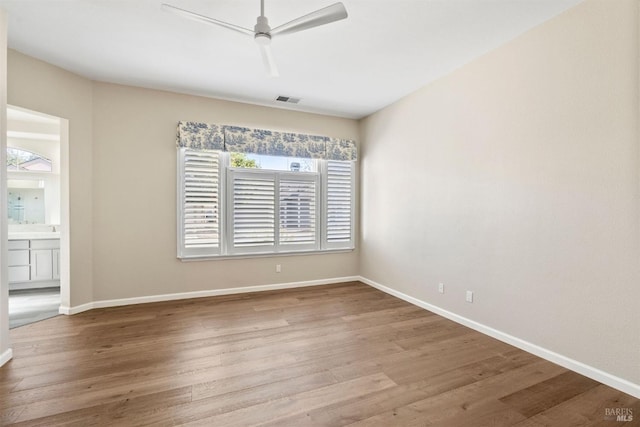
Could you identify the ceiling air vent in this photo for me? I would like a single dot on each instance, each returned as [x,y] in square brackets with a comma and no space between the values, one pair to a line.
[288,99]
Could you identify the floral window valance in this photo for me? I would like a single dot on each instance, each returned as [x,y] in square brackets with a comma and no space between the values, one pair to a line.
[202,136]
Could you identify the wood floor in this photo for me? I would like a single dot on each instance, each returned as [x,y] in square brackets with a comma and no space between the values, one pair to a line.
[333,355]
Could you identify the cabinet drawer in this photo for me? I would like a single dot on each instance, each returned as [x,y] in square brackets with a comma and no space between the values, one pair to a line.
[18,258]
[18,244]
[45,244]
[19,274]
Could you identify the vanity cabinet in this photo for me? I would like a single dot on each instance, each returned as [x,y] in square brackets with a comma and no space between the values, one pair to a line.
[18,261]
[34,263]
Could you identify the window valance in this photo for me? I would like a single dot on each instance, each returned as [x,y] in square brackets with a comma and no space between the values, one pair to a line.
[203,136]
[200,136]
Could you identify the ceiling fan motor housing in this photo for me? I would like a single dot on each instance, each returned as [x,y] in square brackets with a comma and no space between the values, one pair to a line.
[262,30]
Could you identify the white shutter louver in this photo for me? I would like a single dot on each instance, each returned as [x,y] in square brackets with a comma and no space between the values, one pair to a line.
[298,212]
[201,208]
[339,203]
[253,211]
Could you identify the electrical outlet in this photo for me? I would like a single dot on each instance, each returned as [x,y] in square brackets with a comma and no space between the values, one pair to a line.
[278,268]
[469,296]
[441,288]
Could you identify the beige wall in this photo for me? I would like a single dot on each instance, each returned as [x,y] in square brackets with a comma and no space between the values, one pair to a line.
[41,87]
[517,177]
[134,195]
[123,184]
[4,286]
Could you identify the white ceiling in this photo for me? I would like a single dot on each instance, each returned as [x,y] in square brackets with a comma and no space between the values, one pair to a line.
[384,50]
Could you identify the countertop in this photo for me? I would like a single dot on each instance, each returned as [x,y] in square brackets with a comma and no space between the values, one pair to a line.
[33,235]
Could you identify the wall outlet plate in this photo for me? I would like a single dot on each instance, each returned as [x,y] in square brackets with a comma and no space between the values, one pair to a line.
[441,288]
[469,296]
[278,268]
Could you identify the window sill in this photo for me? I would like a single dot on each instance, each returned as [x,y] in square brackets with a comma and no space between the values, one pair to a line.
[263,255]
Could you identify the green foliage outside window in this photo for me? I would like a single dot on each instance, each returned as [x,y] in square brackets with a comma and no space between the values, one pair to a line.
[240,160]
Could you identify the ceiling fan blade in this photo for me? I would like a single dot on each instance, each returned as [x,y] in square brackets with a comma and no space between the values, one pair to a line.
[205,19]
[323,16]
[269,61]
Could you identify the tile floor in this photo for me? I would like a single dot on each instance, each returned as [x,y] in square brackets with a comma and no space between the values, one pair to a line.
[32,305]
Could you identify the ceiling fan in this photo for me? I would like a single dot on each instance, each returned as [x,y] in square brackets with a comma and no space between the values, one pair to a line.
[263,33]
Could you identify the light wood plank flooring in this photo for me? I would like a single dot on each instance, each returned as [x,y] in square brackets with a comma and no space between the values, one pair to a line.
[334,355]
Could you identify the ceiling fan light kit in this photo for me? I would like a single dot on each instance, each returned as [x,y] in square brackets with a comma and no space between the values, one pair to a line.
[262,32]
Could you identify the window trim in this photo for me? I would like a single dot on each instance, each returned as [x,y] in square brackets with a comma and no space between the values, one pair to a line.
[225,249]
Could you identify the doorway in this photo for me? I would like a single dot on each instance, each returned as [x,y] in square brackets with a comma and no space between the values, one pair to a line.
[37,215]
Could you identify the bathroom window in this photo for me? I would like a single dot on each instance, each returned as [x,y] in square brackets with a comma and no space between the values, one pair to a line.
[19,160]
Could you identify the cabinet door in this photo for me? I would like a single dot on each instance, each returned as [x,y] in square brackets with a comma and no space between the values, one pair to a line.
[41,264]
[56,263]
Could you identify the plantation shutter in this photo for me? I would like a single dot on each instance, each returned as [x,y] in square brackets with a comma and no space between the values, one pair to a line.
[228,209]
[339,204]
[298,211]
[200,202]
[253,210]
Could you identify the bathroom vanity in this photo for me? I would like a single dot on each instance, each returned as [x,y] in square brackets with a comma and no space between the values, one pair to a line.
[34,260]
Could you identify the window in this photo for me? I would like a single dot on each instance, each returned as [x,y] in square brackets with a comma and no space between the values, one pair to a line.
[199,211]
[339,200]
[238,204]
[26,161]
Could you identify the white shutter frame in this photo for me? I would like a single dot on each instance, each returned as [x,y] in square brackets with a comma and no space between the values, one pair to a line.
[310,178]
[179,205]
[336,185]
[234,174]
[210,246]
[332,188]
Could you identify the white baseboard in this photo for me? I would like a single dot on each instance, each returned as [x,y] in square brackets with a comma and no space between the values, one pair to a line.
[6,356]
[566,362]
[63,309]
[200,294]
